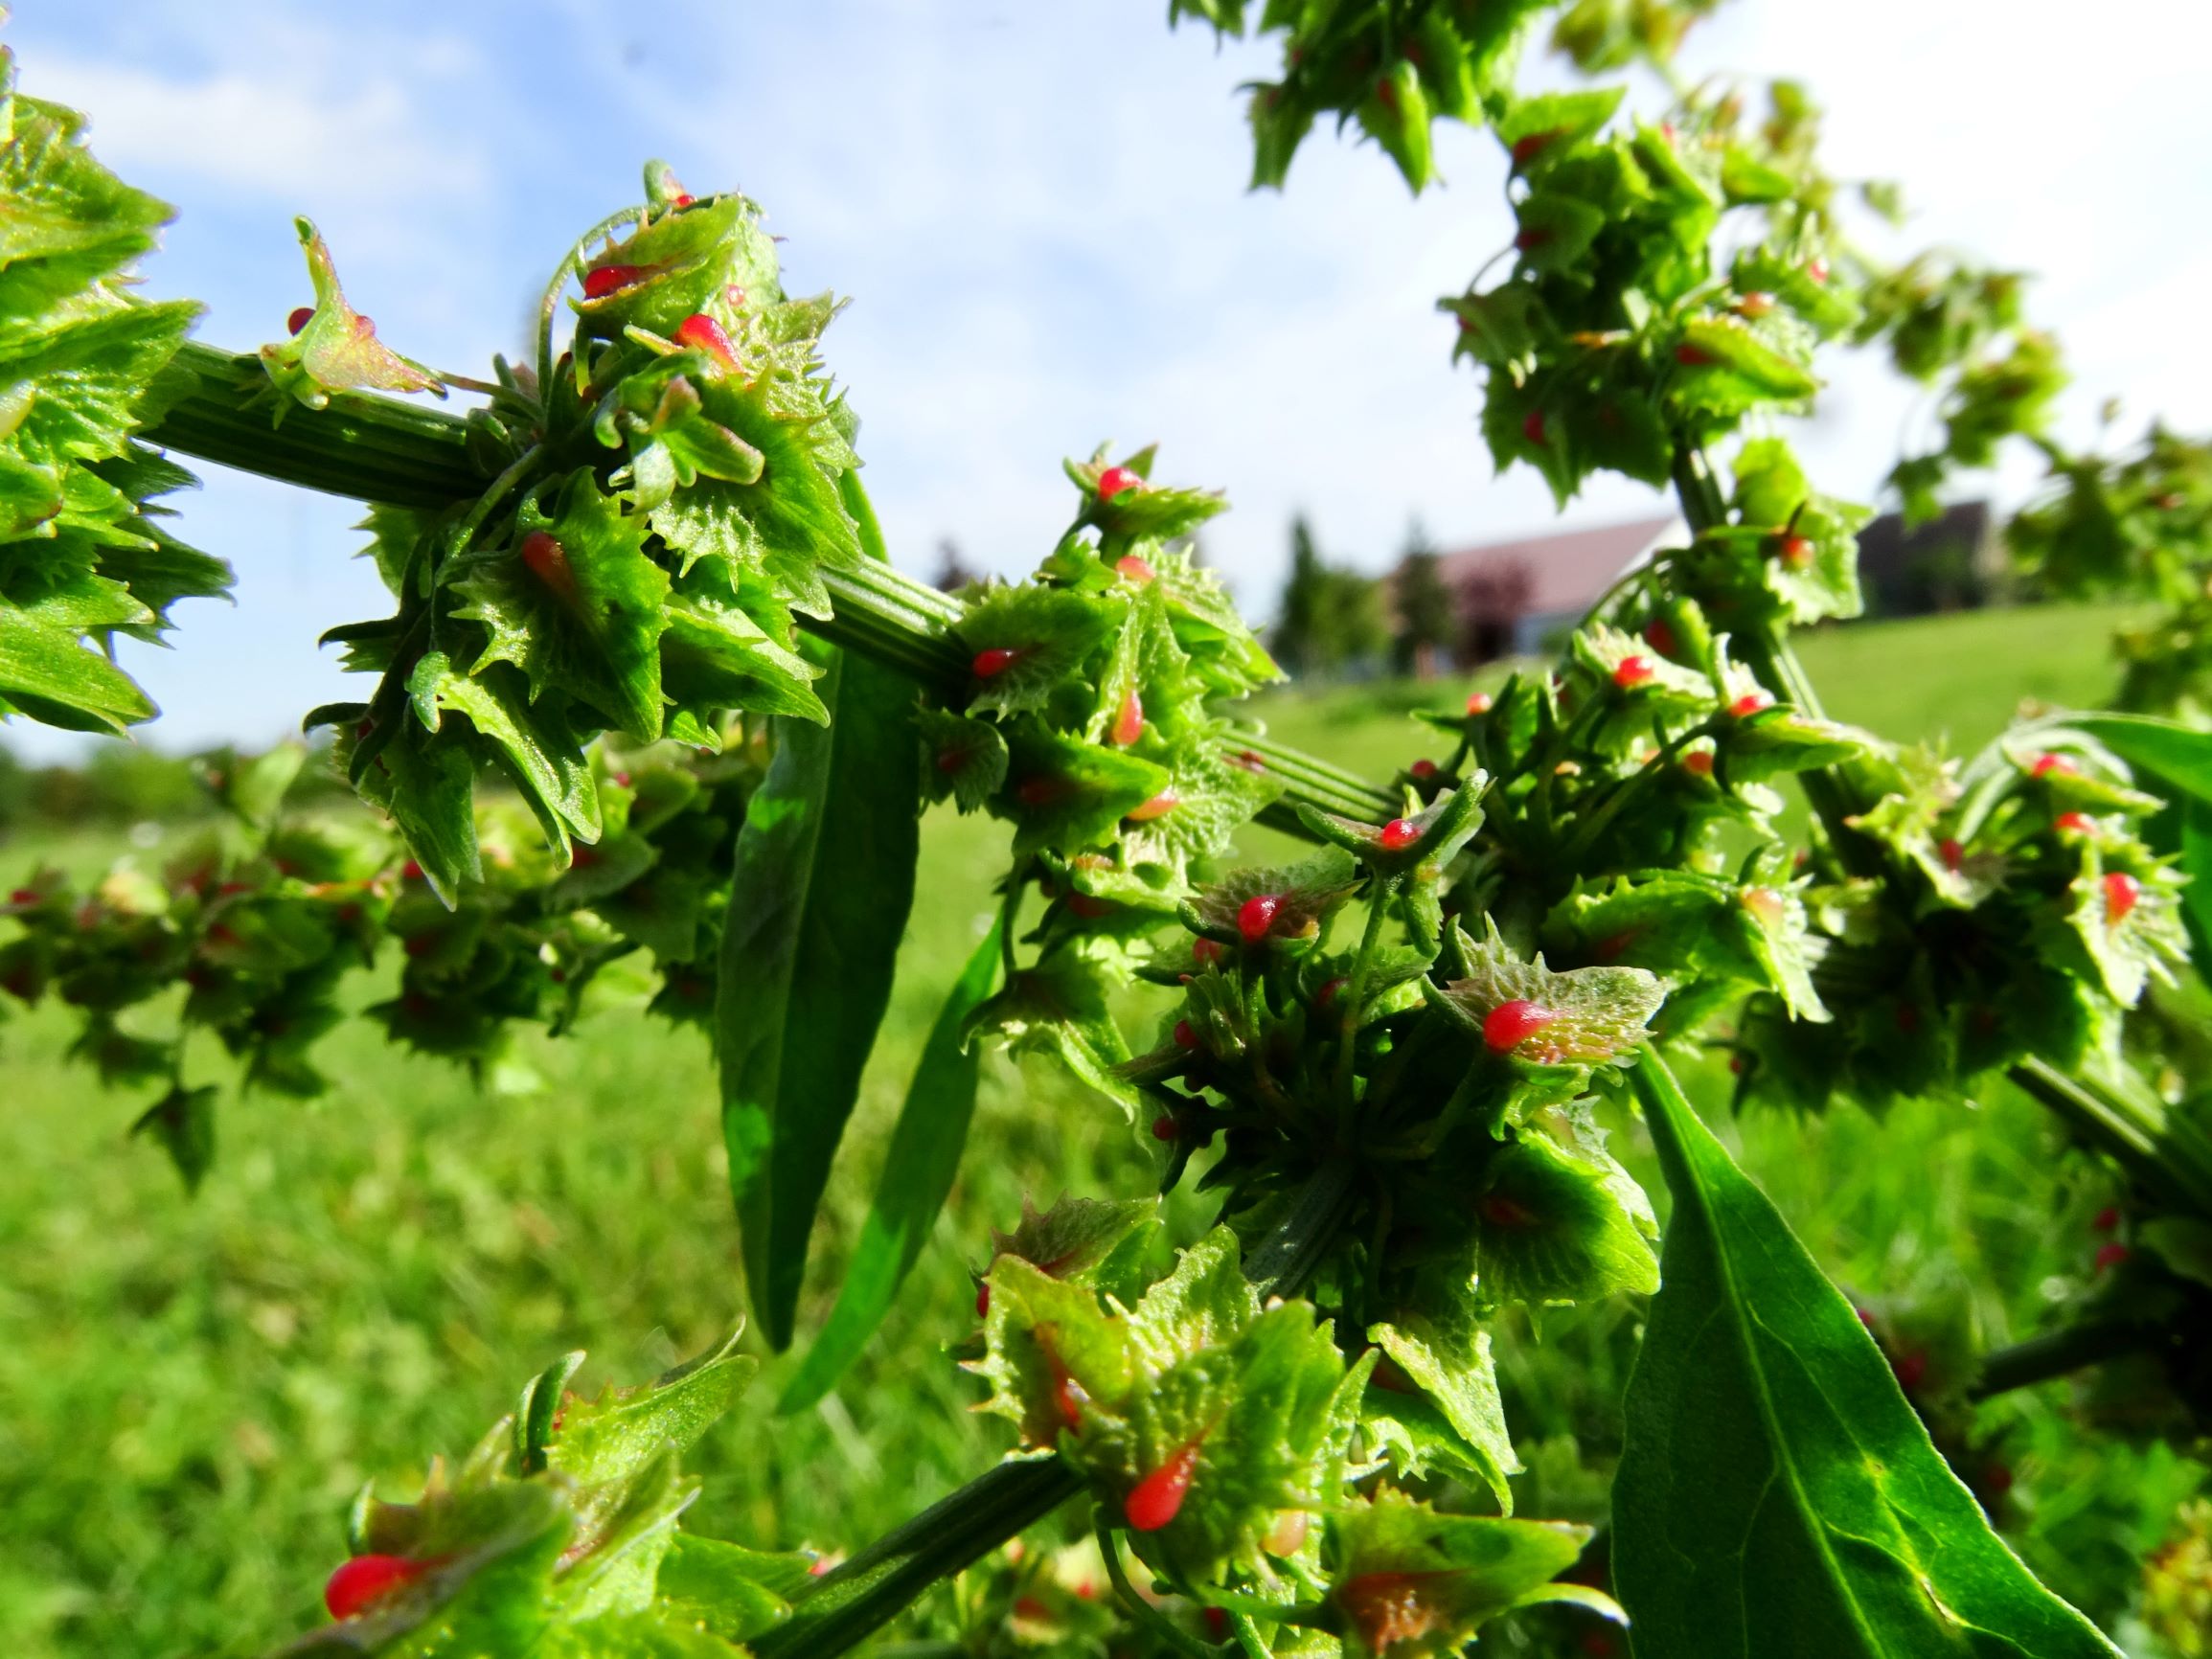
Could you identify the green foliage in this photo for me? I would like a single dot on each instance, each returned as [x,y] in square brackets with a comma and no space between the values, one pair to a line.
[1777,1487]
[551,1536]
[83,558]
[825,873]
[1328,618]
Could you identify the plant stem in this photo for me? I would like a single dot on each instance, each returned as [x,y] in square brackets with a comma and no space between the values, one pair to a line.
[2059,1353]
[1138,1609]
[2162,1152]
[848,1605]
[219,406]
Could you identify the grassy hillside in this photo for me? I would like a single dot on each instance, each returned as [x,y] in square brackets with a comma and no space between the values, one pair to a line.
[194,1391]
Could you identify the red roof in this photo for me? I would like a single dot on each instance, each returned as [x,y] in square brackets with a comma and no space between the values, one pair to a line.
[1565,572]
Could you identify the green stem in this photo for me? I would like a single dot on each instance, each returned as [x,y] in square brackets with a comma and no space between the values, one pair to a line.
[2059,1353]
[848,1605]
[2163,1154]
[1140,1609]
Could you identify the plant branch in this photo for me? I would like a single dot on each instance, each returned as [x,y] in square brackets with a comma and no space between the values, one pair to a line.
[2059,1353]
[849,1605]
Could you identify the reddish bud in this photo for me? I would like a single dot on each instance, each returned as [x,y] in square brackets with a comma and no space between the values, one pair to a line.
[2076,822]
[1699,761]
[1794,551]
[1500,1210]
[703,333]
[546,559]
[2047,763]
[1423,770]
[1754,305]
[1532,426]
[1164,1128]
[1256,916]
[1633,671]
[1131,568]
[989,665]
[299,318]
[2108,1220]
[1511,1024]
[1951,852]
[1115,480]
[1480,703]
[1158,1498]
[1533,237]
[2110,1256]
[1326,996]
[366,1579]
[2121,891]
[1185,1037]
[1399,833]
[1750,703]
[1527,149]
[411,871]
[1158,806]
[1207,951]
[983,1302]
[1693,357]
[683,198]
[22,896]
[603,280]
[1659,636]
[1817,270]
[1766,904]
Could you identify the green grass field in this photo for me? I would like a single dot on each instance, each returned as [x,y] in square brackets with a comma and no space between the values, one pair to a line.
[190,1392]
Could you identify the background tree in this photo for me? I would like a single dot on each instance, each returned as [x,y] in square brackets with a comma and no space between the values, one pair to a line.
[952,571]
[1331,617]
[1425,622]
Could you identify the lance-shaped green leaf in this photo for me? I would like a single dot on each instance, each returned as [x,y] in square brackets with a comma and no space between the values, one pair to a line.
[1410,1580]
[1778,1494]
[577,605]
[336,350]
[825,877]
[918,1166]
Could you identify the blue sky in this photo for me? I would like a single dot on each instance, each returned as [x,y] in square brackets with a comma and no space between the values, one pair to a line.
[1040,213]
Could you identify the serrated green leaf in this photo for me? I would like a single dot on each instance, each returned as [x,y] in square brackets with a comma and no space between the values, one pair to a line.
[336,350]
[183,1121]
[1595,1014]
[1448,1360]
[1777,1492]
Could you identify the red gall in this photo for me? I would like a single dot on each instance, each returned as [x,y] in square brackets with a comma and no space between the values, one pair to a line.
[1423,770]
[1398,835]
[1527,149]
[1793,550]
[990,664]
[1952,854]
[1699,761]
[983,1302]
[2121,891]
[1164,1128]
[1134,569]
[1500,1210]
[1750,703]
[1256,916]
[604,280]
[1250,760]
[1130,724]
[1185,1037]
[546,559]
[2108,1220]
[1694,356]
[364,1581]
[1659,636]
[1480,703]
[1089,907]
[2110,1256]
[299,318]
[1533,237]
[1114,481]
[1158,1498]
[2047,763]
[1158,806]
[701,332]
[2076,823]
[1634,672]
[1207,951]
[1754,305]
[1532,426]
[1510,1024]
